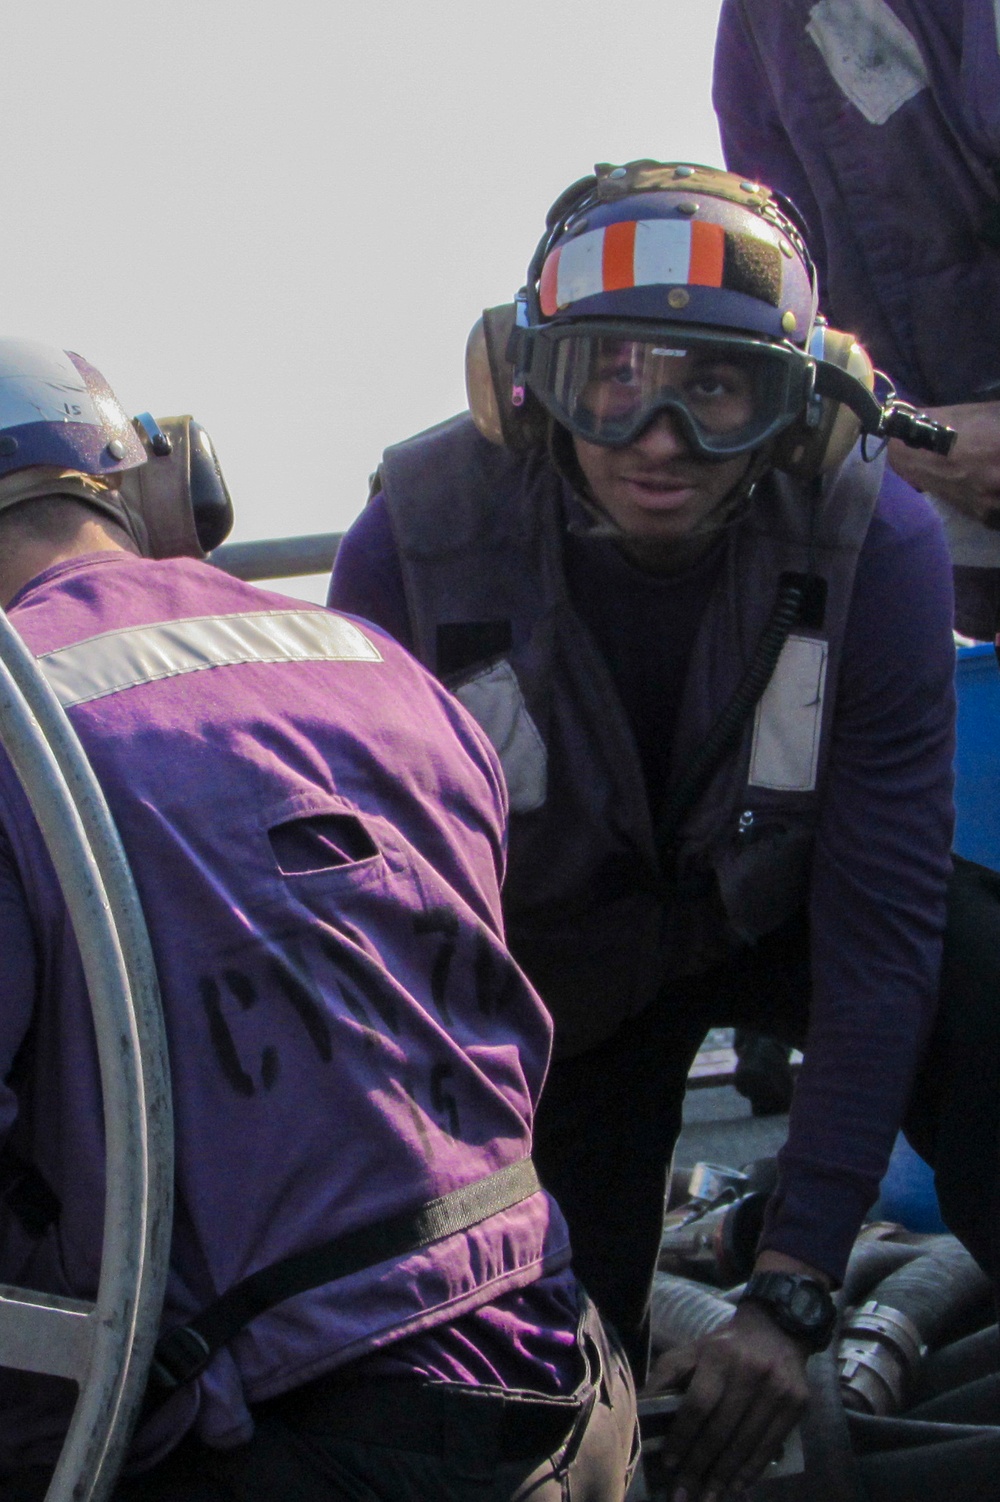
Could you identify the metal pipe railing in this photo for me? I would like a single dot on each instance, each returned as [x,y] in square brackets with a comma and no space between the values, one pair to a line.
[106,1346]
[278,557]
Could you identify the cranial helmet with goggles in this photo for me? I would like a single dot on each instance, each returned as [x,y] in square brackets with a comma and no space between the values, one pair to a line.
[672,288]
[64,432]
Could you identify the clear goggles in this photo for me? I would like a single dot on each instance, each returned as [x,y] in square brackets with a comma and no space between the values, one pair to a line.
[728,394]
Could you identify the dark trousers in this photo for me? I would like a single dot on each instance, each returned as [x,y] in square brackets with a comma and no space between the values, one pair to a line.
[954,1115]
[609,1118]
[343,1440]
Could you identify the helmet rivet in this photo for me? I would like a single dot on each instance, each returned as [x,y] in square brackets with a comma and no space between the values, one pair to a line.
[687,207]
[684,172]
[678,297]
[786,249]
[8,445]
[789,322]
[750,187]
[116,448]
[618,172]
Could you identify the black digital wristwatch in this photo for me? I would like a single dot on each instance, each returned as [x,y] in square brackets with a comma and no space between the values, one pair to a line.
[799,1305]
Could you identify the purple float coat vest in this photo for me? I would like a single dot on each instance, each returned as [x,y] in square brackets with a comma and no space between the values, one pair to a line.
[316,832]
[479,536]
[881,119]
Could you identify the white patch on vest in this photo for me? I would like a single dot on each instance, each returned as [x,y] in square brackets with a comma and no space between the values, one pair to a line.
[494,698]
[873,58]
[117,660]
[789,717]
[996,16]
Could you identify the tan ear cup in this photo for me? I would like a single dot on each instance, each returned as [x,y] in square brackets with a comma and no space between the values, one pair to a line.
[158,495]
[480,388]
[489,378]
[805,452]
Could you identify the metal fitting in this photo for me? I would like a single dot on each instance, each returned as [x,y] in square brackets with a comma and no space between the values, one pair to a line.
[158,440]
[879,1350]
[711,1182]
[715,1245]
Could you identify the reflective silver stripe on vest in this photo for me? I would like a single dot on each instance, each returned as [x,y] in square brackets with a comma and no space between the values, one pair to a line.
[493,697]
[789,719]
[117,660]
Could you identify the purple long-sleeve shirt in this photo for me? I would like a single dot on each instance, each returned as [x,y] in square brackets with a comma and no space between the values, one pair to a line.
[882,843]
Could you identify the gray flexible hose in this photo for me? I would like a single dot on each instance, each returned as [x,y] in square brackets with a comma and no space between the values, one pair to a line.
[873,1434]
[958,1470]
[963,1361]
[870,1263]
[973,1403]
[831,1471]
[938,1290]
[682,1311]
[948,1447]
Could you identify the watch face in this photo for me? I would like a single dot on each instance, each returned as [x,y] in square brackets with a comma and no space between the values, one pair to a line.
[799,1305]
[807,1304]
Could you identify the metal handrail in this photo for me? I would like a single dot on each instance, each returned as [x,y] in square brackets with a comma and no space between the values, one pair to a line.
[279,557]
[107,1345]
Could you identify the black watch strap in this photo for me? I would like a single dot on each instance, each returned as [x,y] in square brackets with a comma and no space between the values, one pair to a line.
[799,1305]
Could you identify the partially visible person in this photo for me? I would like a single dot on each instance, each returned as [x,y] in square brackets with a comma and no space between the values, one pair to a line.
[881,120]
[316,830]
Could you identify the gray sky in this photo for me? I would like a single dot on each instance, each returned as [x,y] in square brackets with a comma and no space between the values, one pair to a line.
[285,217]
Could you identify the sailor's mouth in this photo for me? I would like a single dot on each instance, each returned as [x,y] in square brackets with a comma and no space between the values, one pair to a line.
[659,491]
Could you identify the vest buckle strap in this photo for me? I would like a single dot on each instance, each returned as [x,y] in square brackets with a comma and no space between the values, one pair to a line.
[183,1354]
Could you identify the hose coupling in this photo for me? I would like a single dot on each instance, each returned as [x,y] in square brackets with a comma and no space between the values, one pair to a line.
[879,1350]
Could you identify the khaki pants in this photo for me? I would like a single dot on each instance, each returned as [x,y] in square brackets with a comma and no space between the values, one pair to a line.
[403,1441]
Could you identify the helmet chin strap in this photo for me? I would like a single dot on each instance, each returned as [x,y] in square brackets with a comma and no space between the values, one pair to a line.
[563,456]
[654,554]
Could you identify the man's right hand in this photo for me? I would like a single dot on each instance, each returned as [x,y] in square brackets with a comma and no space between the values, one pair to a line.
[746,1387]
[969,478]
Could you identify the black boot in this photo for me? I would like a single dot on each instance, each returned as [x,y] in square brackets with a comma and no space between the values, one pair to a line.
[763,1074]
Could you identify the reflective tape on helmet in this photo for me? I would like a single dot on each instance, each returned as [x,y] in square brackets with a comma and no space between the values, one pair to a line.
[658,252]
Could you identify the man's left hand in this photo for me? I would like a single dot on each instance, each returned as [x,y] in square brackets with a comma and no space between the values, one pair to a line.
[969,478]
[746,1389]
